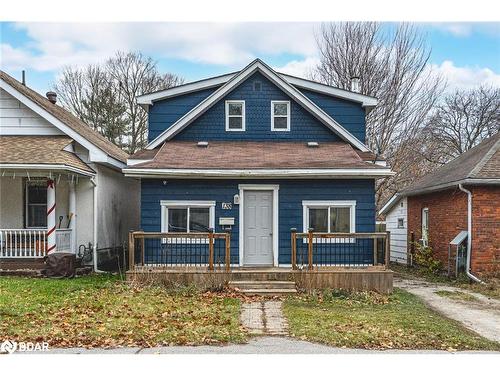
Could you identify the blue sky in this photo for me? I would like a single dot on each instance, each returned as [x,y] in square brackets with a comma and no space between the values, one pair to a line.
[467,54]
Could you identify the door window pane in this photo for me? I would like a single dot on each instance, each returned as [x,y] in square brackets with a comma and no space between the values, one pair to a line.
[318,219]
[340,219]
[177,219]
[199,219]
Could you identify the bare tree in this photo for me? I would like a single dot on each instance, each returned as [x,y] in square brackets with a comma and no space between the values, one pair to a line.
[104,96]
[392,66]
[462,120]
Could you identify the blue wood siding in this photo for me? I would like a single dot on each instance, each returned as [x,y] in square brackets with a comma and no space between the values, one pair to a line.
[166,112]
[349,114]
[291,195]
[211,125]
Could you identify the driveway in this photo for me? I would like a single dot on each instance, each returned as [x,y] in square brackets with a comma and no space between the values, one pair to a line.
[481,315]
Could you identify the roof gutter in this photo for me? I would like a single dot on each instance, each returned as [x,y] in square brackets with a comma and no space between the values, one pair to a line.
[469,234]
[269,173]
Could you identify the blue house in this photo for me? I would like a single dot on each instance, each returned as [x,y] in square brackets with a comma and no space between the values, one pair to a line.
[256,153]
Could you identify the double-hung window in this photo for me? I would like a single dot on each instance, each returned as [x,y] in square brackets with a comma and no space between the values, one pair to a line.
[187,216]
[330,217]
[235,115]
[35,211]
[280,115]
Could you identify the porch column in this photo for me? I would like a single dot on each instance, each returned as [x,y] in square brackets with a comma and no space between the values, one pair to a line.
[51,215]
[72,214]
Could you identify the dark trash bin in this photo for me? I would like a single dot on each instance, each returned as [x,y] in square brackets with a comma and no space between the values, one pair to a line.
[60,265]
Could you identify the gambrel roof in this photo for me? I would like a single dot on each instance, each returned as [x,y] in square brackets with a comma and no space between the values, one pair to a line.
[232,82]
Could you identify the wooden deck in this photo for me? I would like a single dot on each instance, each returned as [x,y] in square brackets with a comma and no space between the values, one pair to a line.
[371,278]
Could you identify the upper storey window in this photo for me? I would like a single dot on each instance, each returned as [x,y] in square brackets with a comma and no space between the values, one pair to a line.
[235,115]
[280,115]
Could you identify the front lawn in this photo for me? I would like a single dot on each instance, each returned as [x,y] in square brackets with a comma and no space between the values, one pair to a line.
[368,320]
[101,311]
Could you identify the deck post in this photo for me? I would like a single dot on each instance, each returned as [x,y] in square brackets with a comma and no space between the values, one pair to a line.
[310,248]
[143,250]
[375,251]
[387,249]
[131,255]
[294,247]
[228,250]
[211,249]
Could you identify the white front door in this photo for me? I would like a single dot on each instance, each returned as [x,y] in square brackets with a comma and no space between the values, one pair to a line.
[258,228]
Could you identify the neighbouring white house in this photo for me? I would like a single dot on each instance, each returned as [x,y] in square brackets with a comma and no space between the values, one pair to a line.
[396,222]
[61,184]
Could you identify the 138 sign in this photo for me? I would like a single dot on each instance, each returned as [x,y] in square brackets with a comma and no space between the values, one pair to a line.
[227,205]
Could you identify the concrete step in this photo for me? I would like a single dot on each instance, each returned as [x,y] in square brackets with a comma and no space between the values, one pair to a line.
[258,284]
[268,292]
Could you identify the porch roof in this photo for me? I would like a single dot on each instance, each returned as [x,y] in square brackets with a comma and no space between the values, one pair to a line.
[253,155]
[19,151]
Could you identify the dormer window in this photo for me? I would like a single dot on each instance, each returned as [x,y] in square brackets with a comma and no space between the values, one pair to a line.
[235,115]
[280,115]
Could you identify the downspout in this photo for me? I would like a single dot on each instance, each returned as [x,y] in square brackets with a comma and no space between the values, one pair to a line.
[469,233]
[93,180]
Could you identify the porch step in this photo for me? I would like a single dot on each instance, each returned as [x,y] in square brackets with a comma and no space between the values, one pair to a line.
[264,288]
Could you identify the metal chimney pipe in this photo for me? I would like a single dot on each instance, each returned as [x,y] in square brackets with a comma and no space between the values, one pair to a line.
[355,84]
[23,77]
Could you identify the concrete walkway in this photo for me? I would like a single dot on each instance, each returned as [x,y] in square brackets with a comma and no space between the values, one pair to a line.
[259,345]
[482,315]
[264,317]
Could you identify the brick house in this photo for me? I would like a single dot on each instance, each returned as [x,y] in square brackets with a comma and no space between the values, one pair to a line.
[438,208]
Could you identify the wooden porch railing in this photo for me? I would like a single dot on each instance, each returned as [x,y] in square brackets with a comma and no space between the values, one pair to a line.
[313,249]
[196,249]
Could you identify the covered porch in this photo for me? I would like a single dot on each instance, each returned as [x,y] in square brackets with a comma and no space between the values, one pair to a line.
[38,196]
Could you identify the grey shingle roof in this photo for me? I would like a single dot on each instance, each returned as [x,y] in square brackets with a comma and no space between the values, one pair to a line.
[481,162]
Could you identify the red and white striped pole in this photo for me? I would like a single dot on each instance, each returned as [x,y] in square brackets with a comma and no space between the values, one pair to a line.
[51,216]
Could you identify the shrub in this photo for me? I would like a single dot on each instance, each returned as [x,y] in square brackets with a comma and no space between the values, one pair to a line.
[424,257]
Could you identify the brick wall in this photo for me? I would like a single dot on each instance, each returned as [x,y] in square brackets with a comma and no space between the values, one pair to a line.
[448,216]
[485,229]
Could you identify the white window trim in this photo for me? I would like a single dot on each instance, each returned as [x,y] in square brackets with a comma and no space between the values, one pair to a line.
[425,239]
[243,115]
[327,204]
[26,220]
[403,225]
[287,102]
[165,205]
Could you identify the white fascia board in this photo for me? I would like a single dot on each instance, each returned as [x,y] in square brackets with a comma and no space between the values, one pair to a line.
[95,153]
[364,100]
[148,99]
[280,82]
[50,167]
[269,173]
[390,203]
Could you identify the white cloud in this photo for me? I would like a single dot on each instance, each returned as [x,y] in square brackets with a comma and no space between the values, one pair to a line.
[302,68]
[466,77]
[54,45]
